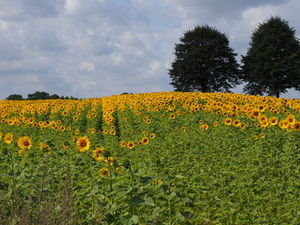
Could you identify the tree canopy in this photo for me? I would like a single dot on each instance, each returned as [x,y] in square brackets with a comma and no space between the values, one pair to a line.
[204,62]
[272,63]
[14,97]
[38,95]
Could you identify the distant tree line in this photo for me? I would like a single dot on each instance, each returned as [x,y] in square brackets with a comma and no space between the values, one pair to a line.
[38,95]
[205,62]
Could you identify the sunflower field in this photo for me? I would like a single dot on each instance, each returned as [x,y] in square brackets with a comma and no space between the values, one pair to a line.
[153,158]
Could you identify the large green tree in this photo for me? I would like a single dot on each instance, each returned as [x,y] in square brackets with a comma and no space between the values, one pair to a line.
[14,97]
[204,62]
[272,63]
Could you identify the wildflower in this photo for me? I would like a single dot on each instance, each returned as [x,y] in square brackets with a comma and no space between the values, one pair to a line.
[83,144]
[24,142]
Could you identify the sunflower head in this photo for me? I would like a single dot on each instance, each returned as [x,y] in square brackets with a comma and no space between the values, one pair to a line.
[24,142]
[83,144]
[8,138]
[104,172]
[130,144]
[228,121]
[145,140]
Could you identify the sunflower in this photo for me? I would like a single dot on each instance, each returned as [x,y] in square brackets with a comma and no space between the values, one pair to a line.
[83,143]
[204,126]
[105,131]
[243,125]
[262,135]
[104,172]
[291,119]
[24,142]
[110,160]
[215,124]
[264,123]
[283,124]
[172,116]
[254,113]
[130,144]
[296,126]
[152,135]
[97,153]
[120,169]
[236,123]
[145,140]
[123,144]
[92,130]
[228,121]
[112,132]
[8,138]
[273,121]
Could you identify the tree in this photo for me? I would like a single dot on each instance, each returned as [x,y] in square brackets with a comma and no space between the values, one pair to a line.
[272,63]
[38,95]
[15,97]
[204,62]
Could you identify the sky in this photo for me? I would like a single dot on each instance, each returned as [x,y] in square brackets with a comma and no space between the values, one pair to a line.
[97,48]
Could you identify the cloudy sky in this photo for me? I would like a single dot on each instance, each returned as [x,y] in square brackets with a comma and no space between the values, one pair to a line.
[96,48]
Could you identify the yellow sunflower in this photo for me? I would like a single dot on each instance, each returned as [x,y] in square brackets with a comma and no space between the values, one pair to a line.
[8,138]
[97,153]
[145,140]
[273,121]
[83,144]
[228,121]
[104,172]
[123,144]
[130,144]
[24,142]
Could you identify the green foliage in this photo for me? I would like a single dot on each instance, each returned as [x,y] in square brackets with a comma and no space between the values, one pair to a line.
[14,97]
[204,62]
[272,63]
[222,175]
[38,95]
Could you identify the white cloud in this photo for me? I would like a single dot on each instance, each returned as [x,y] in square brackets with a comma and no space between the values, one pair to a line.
[87,66]
[103,47]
